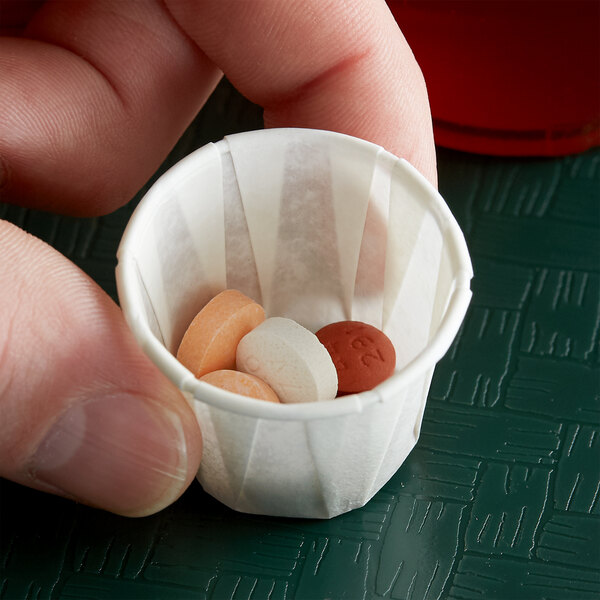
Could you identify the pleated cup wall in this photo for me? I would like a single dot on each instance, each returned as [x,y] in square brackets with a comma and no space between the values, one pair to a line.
[318,227]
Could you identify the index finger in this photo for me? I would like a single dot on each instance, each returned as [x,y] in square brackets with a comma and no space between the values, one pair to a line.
[96,92]
[324,64]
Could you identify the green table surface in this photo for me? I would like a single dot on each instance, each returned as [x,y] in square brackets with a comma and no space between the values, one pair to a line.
[500,499]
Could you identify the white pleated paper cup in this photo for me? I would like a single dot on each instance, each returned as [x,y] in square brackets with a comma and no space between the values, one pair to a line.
[318,227]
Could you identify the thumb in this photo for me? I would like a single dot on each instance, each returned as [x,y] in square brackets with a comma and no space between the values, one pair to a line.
[85,414]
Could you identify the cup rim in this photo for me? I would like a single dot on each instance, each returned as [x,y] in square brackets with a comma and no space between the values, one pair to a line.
[131,301]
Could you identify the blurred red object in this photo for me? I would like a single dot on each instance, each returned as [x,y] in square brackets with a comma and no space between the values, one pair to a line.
[508,77]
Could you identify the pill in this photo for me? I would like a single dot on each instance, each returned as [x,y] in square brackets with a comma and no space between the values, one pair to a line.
[290,359]
[241,383]
[362,354]
[211,340]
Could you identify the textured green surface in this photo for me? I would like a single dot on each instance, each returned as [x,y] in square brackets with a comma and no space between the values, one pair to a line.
[501,497]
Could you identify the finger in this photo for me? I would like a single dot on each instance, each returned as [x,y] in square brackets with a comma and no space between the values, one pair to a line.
[84,412]
[324,64]
[92,99]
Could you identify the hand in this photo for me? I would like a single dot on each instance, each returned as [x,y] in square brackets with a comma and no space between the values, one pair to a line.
[94,94]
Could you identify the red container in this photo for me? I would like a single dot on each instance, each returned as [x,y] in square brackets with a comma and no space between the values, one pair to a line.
[509,77]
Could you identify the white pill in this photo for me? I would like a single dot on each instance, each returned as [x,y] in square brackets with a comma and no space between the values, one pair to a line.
[290,358]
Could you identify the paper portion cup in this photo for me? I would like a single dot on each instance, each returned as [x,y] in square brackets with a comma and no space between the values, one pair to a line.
[317,227]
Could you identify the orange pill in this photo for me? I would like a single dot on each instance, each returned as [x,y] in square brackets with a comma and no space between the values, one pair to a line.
[211,340]
[241,383]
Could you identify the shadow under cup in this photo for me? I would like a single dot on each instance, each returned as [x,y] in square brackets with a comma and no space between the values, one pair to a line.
[318,227]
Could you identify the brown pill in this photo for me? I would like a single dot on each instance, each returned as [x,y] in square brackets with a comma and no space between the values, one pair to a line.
[362,354]
[241,383]
[211,340]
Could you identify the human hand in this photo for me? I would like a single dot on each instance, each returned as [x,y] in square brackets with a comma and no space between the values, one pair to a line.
[94,94]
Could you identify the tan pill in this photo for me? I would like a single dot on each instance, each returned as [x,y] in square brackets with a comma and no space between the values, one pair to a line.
[211,340]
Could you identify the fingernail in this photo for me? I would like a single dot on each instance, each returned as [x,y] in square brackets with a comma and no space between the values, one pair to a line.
[120,453]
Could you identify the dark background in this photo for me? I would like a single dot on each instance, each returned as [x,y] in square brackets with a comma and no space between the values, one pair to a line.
[501,497]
